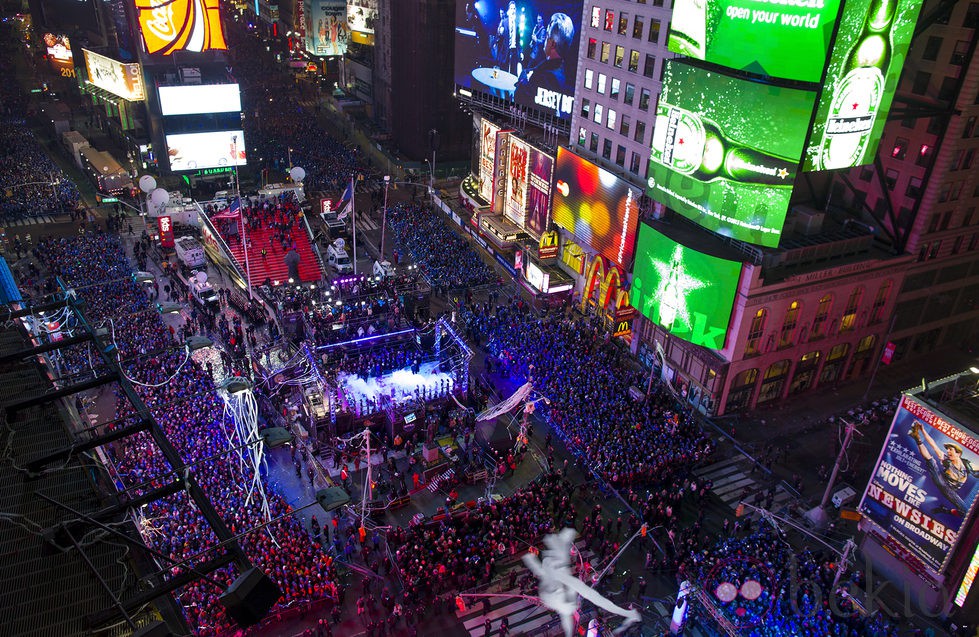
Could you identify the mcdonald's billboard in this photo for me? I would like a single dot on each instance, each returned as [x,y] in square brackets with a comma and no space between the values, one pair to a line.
[168,26]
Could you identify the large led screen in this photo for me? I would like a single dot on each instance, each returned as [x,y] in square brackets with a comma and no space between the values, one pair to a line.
[124,80]
[206,150]
[361,15]
[517,177]
[206,98]
[487,155]
[726,151]
[597,207]
[326,27]
[776,39]
[168,26]
[539,192]
[925,482]
[688,293]
[59,47]
[524,51]
[864,70]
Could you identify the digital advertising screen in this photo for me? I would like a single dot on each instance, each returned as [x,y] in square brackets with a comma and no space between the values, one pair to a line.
[864,70]
[326,27]
[925,482]
[203,98]
[598,208]
[539,192]
[168,26]
[124,80]
[361,16]
[777,39]
[525,51]
[193,151]
[58,46]
[688,293]
[487,155]
[728,164]
[517,176]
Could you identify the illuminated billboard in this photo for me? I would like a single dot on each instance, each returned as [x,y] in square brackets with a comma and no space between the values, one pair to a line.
[524,51]
[597,207]
[124,80]
[925,483]
[775,39]
[517,176]
[361,16]
[168,26]
[487,154]
[688,293]
[58,46]
[206,150]
[539,192]
[196,99]
[727,164]
[326,27]
[864,70]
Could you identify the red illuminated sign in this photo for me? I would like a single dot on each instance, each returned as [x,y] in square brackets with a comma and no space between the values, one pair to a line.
[166,232]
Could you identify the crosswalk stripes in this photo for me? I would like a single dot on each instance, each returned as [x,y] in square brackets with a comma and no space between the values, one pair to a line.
[733,482]
[29,221]
[365,222]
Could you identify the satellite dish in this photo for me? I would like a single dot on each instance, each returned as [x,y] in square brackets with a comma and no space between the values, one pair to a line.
[147,183]
[201,277]
[159,196]
[297,174]
[338,243]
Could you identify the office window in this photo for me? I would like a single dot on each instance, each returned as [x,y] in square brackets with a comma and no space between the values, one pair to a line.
[933,222]
[956,191]
[596,17]
[589,78]
[935,247]
[789,323]
[890,178]
[957,246]
[620,155]
[654,31]
[971,20]
[924,155]
[900,150]
[649,68]
[634,163]
[866,173]
[624,124]
[585,108]
[606,47]
[946,219]
[592,47]
[914,187]
[644,96]
[610,120]
[960,53]
[921,81]
[968,159]
[599,111]
[640,135]
[822,313]
[936,125]
[946,92]
[657,3]
[609,19]
[614,92]
[593,143]
[755,332]
[582,135]
[630,93]
[849,319]
[970,125]
[634,61]
[932,47]
[607,149]
[637,27]
[602,78]
[967,217]
[623,23]
[619,56]
[877,311]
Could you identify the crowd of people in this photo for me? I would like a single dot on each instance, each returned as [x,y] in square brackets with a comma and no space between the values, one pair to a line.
[166,377]
[448,261]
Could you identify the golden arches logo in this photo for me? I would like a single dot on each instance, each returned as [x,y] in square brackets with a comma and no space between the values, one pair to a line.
[180,25]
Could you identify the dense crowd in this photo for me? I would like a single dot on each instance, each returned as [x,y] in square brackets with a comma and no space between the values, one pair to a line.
[165,378]
[448,260]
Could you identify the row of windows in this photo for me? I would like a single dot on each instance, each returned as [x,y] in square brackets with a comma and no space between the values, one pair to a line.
[622,26]
[934,45]
[946,92]
[605,53]
[789,332]
[929,251]
[592,140]
[941,220]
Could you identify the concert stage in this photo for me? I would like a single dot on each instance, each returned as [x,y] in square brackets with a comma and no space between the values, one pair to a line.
[401,389]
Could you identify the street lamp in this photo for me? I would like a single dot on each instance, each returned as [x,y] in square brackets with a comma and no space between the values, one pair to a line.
[384,213]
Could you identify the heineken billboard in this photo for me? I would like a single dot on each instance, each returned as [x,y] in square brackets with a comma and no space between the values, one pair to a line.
[687,292]
[864,70]
[785,39]
[726,151]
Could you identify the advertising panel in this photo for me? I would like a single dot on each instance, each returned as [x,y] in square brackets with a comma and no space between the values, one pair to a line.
[165,225]
[68,15]
[539,193]
[925,482]
[776,39]
[59,47]
[180,25]
[864,69]
[326,27]
[518,174]
[206,98]
[361,16]
[206,150]
[687,292]
[487,153]
[501,154]
[520,50]
[124,80]
[595,206]
[727,164]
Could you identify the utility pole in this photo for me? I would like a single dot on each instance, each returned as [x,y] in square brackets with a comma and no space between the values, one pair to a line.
[818,515]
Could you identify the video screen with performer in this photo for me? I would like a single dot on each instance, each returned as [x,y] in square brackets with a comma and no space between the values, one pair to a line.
[520,50]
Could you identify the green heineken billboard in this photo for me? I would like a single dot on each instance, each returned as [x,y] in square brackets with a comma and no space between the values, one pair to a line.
[726,151]
[689,293]
[864,69]
[782,38]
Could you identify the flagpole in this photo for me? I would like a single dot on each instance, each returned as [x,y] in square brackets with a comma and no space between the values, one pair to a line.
[353,219]
[241,220]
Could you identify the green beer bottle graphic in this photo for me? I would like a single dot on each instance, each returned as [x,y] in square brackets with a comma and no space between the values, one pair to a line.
[693,145]
[857,95]
[688,28]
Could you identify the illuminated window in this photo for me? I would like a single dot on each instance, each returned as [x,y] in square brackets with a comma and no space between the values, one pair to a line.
[592,47]
[755,332]
[654,31]
[822,313]
[619,56]
[614,92]
[634,61]
[637,27]
[900,150]
[924,155]
[788,325]
[596,17]
[589,78]
[630,93]
[609,19]
[582,135]
[606,47]
[599,111]
[585,108]
[602,79]
[610,123]
[623,23]
[849,319]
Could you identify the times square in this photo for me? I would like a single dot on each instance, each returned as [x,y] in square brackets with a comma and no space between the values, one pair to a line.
[310,391]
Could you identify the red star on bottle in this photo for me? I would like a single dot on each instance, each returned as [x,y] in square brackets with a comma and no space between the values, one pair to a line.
[855,105]
[681,141]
